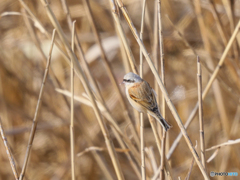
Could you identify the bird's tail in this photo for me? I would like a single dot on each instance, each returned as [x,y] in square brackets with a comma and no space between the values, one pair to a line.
[162,121]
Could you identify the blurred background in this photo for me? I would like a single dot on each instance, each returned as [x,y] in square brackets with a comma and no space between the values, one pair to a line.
[207,27]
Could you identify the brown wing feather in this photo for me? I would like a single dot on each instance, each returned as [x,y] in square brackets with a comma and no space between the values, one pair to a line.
[144,95]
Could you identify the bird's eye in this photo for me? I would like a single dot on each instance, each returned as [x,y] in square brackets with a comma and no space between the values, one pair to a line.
[128,80]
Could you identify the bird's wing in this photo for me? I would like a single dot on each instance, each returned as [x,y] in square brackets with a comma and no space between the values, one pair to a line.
[143,94]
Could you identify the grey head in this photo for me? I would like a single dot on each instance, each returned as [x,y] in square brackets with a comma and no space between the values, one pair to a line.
[131,78]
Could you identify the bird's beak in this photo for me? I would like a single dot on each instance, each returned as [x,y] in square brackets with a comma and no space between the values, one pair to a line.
[122,83]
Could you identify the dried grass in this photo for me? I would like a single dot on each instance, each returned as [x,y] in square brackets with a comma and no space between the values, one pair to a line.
[203,28]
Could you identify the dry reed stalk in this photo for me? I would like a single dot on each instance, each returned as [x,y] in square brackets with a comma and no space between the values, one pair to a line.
[155,56]
[228,143]
[35,119]
[97,91]
[142,147]
[124,58]
[182,36]
[163,140]
[68,16]
[141,37]
[98,94]
[38,24]
[97,157]
[186,43]
[110,119]
[94,148]
[213,156]
[143,171]
[9,152]
[81,55]
[158,142]
[109,70]
[229,11]
[216,87]
[36,41]
[80,74]
[200,110]
[108,116]
[190,168]
[72,144]
[152,158]
[229,64]
[162,163]
[149,25]
[164,91]
[155,44]
[123,36]
[116,131]
[235,124]
[128,155]
[33,35]
[207,88]
[4,109]
[218,23]
[41,28]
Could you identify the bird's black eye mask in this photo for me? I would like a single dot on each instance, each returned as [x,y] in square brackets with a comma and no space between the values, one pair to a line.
[128,80]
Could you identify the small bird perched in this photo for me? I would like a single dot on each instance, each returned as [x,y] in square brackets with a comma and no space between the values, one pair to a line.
[143,98]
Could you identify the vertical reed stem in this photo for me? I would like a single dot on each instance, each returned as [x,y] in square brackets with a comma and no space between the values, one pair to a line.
[200,110]
[72,109]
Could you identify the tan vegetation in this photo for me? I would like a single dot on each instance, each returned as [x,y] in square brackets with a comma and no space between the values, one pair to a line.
[44,137]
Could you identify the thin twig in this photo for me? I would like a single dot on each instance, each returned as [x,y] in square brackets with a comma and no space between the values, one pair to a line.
[72,109]
[35,119]
[163,89]
[9,152]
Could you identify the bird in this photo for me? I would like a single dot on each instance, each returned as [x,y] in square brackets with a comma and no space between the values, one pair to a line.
[143,98]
